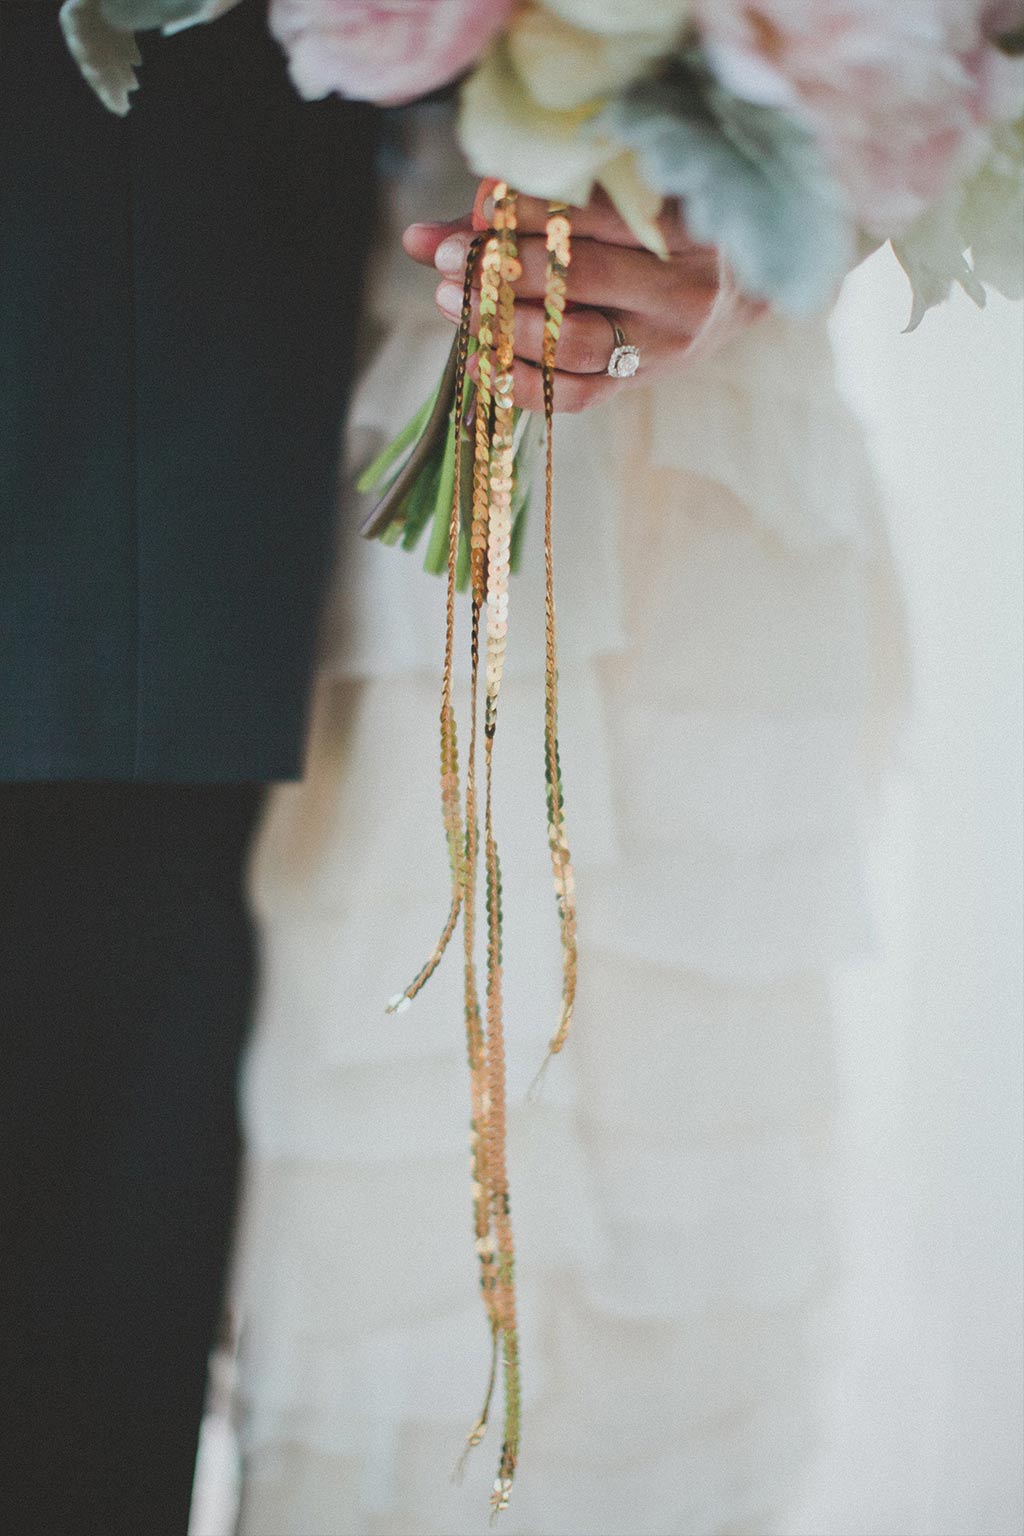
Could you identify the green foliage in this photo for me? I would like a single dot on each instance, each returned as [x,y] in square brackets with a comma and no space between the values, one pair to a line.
[428,498]
[373,476]
[140,15]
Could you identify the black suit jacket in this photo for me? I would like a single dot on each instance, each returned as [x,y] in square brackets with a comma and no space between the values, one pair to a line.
[179,292]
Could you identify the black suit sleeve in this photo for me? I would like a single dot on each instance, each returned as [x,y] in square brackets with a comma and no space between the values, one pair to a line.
[179,295]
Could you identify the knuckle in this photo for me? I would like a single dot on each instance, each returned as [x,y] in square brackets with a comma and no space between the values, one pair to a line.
[691,290]
[527,391]
[575,398]
[579,349]
[587,270]
[677,285]
[532,253]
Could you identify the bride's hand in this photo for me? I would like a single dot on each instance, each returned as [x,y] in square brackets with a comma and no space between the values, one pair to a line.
[660,306]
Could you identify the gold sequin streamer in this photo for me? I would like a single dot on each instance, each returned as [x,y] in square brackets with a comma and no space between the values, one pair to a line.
[475,1041]
[450,806]
[499,538]
[490,551]
[559,250]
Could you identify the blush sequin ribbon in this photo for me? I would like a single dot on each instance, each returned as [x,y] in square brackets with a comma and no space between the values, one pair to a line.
[490,532]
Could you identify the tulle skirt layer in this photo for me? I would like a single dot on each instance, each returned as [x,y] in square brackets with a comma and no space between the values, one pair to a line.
[672,1187]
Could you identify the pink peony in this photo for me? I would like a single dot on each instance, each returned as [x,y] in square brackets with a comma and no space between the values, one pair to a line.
[390,51]
[896,90]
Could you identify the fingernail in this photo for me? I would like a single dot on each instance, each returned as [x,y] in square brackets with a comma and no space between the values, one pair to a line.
[449,298]
[427,225]
[450,256]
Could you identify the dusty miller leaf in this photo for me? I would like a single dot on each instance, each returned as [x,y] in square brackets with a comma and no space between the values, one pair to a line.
[106,56]
[752,180]
[173,15]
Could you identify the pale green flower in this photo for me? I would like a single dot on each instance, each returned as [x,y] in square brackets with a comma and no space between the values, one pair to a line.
[528,116]
[992,213]
[565,67]
[505,132]
[982,214]
[666,18]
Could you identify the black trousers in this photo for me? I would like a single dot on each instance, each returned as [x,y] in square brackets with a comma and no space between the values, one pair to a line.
[125,982]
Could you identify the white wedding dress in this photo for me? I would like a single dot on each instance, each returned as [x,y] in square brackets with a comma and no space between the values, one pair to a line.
[731,666]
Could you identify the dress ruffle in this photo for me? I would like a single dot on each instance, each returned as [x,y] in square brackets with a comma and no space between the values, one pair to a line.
[727,620]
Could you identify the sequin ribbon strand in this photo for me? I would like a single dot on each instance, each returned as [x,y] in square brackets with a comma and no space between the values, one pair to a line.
[559,255]
[451,809]
[490,533]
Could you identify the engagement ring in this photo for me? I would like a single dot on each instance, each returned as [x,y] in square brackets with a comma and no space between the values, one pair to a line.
[625,360]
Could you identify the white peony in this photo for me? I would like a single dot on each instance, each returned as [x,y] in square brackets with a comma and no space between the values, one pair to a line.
[897,92]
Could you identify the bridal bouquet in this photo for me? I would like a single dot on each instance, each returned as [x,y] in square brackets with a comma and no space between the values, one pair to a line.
[790,131]
[793,135]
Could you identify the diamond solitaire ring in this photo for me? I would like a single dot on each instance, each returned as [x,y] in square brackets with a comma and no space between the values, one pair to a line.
[625,360]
